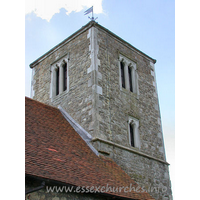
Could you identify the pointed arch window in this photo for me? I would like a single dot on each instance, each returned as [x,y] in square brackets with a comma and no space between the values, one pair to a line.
[57,80]
[65,76]
[122,74]
[59,77]
[128,75]
[132,142]
[133,132]
[130,78]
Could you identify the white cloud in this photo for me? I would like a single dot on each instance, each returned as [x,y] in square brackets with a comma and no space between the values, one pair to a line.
[45,9]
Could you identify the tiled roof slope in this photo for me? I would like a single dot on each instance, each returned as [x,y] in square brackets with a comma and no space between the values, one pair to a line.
[55,151]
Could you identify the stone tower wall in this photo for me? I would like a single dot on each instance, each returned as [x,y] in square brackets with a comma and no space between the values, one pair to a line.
[118,104]
[78,100]
[96,101]
[146,165]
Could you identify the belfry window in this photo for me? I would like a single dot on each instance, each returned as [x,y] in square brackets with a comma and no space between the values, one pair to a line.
[128,74]
[122,74]
[65,77]
[57,81]
[130,78]
[59,77]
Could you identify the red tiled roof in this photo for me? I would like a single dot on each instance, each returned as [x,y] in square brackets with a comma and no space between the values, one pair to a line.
[55,151]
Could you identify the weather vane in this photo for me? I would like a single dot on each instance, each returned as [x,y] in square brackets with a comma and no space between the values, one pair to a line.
[89,11]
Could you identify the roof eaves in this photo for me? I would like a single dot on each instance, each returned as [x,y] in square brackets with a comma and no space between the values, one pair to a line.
[56,182]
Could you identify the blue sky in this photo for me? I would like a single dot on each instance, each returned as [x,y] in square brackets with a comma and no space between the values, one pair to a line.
[147,25]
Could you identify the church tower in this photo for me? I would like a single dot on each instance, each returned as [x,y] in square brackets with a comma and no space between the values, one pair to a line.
[109,87]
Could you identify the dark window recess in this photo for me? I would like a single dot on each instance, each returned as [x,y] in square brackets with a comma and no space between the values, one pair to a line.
[132,135]
[57,81]
[122,74]
[130,79]
[65,76]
